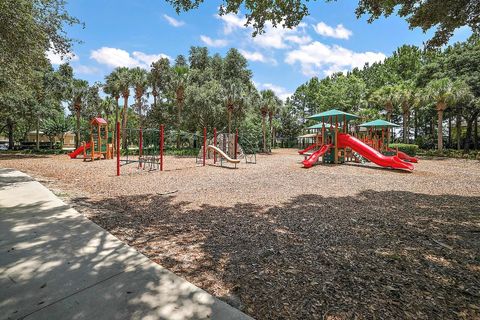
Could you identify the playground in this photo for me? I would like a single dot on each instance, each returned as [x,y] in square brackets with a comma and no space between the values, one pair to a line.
[276,240]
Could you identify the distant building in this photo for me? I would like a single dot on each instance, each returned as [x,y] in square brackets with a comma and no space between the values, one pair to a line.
[68,140]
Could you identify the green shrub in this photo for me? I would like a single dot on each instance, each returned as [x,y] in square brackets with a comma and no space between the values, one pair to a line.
[187,152]
[452,153]
[410,149]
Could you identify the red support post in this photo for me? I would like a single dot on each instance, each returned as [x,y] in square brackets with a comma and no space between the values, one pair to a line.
[161,146]
[236,142]
[118,148]
[215,144]
[204,145]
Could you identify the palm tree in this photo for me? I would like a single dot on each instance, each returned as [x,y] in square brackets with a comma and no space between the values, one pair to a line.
[179,81]
[233,99]
[112,87]
[464,101]
[108,106]
[418,100]
[124,83]
[272,112]
[267,99]
[159,77]
[385,97]
[140,84]
[441,92]
[404,97]
[78,92]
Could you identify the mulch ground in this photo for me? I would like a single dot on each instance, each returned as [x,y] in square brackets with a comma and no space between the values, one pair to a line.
[282,242]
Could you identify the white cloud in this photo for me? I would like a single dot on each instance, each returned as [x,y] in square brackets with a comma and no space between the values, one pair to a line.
[231,22]
[257,57]
[272,37]
[115,57]
[173,22]
[278,37]
[281,92]
[147,59]
[82,69]
[57,59]
[298,39]
[316,57]
[213,42]
[339,32]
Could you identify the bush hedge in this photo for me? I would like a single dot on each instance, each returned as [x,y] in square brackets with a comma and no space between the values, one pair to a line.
[410,149]
[452,153]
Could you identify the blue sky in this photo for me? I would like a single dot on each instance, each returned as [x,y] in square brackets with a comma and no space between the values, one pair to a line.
[134,33]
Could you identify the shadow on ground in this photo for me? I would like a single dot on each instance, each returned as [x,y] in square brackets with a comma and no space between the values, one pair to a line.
[10,181]
[373,255]
[13,156]
[56,266]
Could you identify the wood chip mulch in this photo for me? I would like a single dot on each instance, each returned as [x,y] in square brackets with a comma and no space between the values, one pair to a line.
[281,242]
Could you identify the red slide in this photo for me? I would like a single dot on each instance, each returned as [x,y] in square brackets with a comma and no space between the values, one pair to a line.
[310,161]
[310,147]
[404,156]
[346,140]
[79,150]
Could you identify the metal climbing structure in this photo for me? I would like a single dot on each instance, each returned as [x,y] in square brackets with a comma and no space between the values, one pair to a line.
[143,147]
[228,144]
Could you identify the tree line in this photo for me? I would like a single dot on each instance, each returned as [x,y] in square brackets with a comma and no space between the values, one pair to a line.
[187,95]
[422,89]
[415,87]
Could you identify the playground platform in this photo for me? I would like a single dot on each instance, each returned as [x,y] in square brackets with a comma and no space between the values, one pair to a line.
[57,264]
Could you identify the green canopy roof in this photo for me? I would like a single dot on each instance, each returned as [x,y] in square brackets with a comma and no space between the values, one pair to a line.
[379,123]
[319,126]
[323,116]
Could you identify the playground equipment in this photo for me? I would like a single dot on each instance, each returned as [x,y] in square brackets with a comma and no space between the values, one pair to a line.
[223,147]
[141,146]
[378,136]
[99,146]
[335,145]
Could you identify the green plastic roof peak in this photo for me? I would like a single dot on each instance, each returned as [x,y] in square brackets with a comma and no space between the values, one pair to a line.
[379,123]
[322,116]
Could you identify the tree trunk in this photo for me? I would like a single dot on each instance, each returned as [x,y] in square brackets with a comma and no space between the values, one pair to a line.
[468,136]
[458,128]
[10,126]
[440,130]
[77,134]
[405,127]
[415,121]
[179,117]
[475,133]
[124,121]
[229,111]
[450,131]
[264,141]
[115,126]
[270,130]
[139,108]
[37,134]
[274,140]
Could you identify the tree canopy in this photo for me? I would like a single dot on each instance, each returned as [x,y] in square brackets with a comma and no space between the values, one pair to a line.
[424,14]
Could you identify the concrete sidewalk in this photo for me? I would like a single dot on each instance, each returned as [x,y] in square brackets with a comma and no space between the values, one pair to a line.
[56,264]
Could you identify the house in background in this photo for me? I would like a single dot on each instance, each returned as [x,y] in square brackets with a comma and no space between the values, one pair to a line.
[68,142]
